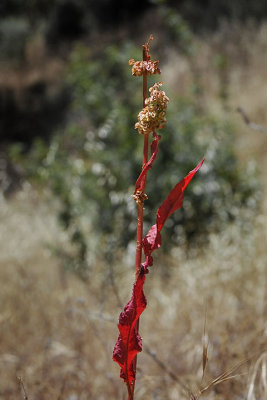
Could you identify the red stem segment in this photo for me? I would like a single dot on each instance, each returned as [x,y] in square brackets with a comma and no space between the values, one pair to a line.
[139,235]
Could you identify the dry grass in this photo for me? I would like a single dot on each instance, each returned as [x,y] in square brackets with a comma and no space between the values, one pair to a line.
[57,332]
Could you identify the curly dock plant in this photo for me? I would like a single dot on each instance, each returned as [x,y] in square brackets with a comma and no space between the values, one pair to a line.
[150,119]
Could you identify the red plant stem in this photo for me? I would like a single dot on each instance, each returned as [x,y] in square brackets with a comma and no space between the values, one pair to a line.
[130,391]
[139,234]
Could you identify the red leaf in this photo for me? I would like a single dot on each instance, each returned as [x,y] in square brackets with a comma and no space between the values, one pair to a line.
[129,342]
[152,240]
[175,198]
[139,186]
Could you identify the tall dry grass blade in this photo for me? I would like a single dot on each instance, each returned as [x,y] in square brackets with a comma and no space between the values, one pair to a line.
[260,369]
[225,376]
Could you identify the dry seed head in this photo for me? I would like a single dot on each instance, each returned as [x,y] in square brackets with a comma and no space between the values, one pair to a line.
[152,116]
[145,67]
[149,67]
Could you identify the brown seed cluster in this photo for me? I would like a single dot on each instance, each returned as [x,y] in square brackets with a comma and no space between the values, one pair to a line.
[152,116]
[149,67]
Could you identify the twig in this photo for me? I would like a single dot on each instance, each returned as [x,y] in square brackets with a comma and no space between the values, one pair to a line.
[205,344]
[62,389]
[251,124]
[114,286]
[164,368]
[25,395]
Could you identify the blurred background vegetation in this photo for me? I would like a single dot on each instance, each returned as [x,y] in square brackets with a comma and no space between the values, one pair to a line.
[68,104]
[69,159]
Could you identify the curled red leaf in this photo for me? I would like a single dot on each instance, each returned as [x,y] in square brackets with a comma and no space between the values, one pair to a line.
[174,201]
[129,342]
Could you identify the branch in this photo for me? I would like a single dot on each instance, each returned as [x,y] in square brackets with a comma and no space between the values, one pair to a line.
[164,368]
[251,124]
[25,396]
